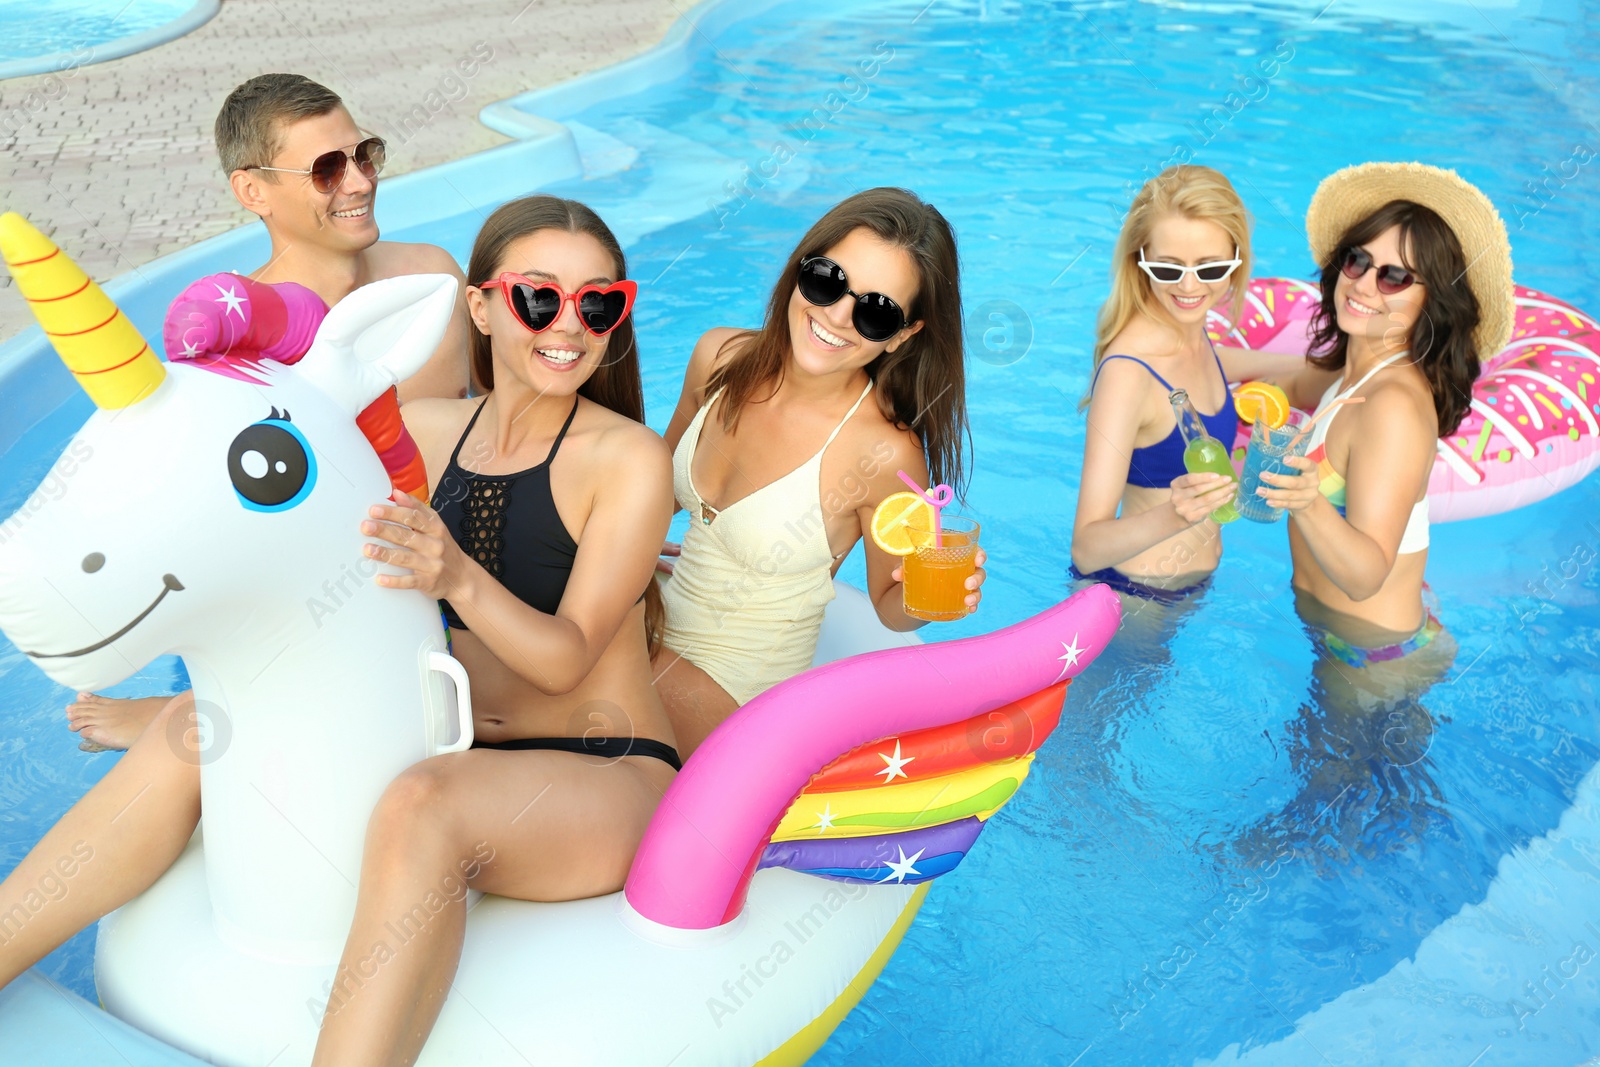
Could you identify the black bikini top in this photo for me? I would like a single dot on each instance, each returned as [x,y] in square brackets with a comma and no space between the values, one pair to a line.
[487,512]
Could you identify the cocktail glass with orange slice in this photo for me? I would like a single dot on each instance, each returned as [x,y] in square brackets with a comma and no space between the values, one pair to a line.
[1269,447]
[936,569]
[936,575]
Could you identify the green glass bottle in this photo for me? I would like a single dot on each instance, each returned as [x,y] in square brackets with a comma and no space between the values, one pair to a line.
[1202,453]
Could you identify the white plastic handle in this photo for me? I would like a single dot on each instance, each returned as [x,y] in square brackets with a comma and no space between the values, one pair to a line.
[446,664]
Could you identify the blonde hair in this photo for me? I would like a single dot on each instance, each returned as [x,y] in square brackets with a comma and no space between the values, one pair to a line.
[1194,193]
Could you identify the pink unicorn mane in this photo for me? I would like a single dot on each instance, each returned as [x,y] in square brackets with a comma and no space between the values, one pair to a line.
[229,324]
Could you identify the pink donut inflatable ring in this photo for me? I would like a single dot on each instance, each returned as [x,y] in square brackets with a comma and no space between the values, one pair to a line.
[1532,429]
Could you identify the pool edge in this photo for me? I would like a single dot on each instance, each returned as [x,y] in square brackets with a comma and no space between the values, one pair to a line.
[198,14]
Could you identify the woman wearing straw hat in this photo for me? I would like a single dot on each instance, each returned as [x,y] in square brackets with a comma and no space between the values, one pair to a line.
[1416,290]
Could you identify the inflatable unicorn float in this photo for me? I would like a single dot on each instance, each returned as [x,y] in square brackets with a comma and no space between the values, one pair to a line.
[1532,427]
[221,494]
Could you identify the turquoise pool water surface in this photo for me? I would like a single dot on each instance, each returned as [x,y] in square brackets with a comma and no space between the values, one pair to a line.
[1222,855]
[72,29]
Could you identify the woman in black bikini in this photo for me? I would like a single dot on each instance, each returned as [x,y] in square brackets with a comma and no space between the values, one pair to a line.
[552,505]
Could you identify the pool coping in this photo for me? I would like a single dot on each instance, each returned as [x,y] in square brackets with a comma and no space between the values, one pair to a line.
[198,14]
[33,382]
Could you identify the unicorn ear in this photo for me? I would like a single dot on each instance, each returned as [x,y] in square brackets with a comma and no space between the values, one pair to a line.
[378,335]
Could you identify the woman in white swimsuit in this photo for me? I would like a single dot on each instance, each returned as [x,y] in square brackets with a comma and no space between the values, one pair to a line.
[1416,290]
[786,438]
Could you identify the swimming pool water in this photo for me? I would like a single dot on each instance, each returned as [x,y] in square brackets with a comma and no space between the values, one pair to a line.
[72,29]
[1214,857]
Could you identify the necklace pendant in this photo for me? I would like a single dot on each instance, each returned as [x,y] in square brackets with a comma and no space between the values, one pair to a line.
[707,513]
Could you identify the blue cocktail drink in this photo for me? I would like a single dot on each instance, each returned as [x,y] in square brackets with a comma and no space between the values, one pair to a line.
[1268,449]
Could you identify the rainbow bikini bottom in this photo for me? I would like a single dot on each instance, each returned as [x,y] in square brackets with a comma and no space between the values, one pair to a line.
[1362,657]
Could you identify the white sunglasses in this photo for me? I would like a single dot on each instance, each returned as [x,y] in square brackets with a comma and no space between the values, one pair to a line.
[1172,274]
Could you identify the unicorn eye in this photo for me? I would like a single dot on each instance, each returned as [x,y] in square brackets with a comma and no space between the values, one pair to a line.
[271,465]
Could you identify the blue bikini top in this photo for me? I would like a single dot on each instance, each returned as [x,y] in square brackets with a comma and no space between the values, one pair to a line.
[1155,466]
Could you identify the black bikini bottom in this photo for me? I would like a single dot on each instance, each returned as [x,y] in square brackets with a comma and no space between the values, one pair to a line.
[604,747]
[1132,587]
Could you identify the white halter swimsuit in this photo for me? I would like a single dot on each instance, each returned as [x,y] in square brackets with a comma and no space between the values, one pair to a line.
[746,598]
[1415,539]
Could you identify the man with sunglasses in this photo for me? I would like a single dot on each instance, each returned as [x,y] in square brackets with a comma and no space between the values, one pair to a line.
[296,158]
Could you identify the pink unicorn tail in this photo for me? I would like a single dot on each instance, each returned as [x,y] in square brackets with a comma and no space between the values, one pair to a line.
[714,824]
[229,318]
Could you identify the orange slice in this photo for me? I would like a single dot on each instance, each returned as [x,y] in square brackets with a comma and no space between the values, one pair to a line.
[891,522]
[1255,399]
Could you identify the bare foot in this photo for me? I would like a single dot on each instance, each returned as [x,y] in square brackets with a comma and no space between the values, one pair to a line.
[111,722]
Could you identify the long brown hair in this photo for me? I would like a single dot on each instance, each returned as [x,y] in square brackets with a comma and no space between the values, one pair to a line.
[1192,192]
[615,383]
[1441,338]
[920,386]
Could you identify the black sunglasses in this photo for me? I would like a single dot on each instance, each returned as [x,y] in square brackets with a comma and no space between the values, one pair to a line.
[1391,279]
[823,283]
[327,170]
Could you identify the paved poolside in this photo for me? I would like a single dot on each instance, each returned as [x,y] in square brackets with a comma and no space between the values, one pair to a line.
[116,161]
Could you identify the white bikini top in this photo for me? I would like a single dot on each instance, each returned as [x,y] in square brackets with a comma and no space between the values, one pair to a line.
[1415,539]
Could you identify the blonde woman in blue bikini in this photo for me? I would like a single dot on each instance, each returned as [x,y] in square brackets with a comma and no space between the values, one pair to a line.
[786,438]
[1143,522]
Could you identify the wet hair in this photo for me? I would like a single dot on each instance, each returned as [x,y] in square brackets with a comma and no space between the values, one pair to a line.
[615,383]
[1191,192]
[1441,339]
[250,126]
[921,386]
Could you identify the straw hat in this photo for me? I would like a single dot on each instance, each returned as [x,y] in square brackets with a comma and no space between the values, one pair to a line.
[1350,195]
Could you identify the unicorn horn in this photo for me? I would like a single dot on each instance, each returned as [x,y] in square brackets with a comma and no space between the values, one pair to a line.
[96,341]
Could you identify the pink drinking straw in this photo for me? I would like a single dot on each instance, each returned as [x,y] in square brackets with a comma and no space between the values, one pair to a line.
[938,498]
[1313,420]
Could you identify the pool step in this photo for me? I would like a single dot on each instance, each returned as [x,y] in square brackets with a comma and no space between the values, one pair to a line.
[1515,972]
[679,178]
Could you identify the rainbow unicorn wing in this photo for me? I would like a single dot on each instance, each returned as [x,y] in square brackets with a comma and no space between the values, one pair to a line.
[976,707]
[907,808]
